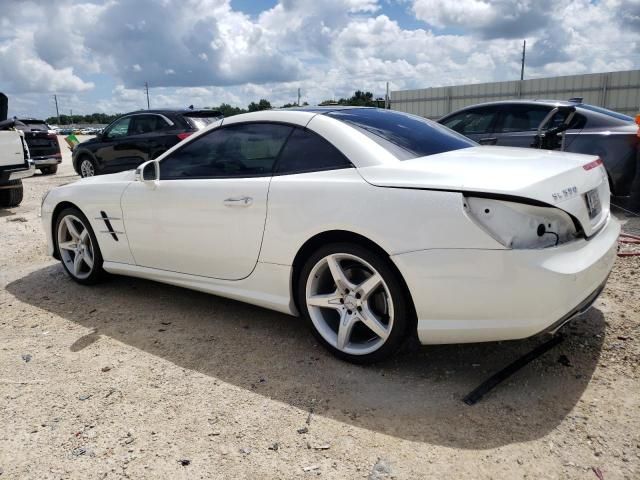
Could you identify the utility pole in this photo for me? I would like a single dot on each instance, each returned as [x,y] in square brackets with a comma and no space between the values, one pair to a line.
[55,98]
[524,51]
[386,98]
[298,96]
[146,88]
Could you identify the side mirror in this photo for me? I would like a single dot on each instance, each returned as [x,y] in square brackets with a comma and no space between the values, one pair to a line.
[148,172]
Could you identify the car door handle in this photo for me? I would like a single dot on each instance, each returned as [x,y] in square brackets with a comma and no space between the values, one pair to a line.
[488,141]
[238,201]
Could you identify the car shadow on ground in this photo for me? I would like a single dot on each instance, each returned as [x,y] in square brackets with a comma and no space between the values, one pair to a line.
[416,396]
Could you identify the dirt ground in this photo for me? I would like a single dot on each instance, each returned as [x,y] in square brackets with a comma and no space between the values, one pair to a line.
[134,379]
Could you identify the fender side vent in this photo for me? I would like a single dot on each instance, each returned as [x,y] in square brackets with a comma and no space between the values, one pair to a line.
[107,222]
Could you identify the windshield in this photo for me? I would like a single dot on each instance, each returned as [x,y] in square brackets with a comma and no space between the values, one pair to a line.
[405,136]
[604,111]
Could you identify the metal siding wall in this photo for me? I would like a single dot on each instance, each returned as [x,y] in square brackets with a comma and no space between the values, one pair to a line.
[619,91]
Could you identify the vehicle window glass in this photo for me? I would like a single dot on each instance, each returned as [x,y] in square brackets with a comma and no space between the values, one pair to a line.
[120,128]
[199,122]
[522,118]
[306,151]
[36,125]
[244,150]
[605,111]
[404,135]
[577,122]
[472,122]
[141,124]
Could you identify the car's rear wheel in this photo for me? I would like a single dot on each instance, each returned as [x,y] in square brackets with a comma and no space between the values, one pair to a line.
[354,302]
[78,247]
[50,170]
[86,167]
[11,194]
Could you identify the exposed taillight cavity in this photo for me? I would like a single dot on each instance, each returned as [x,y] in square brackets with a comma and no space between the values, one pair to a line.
[520,226]
[184,135]
[591,165]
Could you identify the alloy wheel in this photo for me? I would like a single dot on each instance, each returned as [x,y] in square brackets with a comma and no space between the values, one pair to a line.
[86,168]
[349,304]
[75,246]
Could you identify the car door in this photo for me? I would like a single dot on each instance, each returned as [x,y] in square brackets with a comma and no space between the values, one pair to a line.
[144,133]
[518,123]
[206,214]
[475,123]
[116,151]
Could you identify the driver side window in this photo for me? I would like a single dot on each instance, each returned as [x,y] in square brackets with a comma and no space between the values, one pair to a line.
[472,122]
[119,129]
[243,150]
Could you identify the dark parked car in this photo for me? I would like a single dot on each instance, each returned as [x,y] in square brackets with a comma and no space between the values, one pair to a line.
[592,130]
[42,142]
[137,137]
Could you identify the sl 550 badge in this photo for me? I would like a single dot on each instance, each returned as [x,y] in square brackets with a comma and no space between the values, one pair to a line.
[565,193]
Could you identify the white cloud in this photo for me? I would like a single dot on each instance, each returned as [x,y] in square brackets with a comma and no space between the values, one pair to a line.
[202,52]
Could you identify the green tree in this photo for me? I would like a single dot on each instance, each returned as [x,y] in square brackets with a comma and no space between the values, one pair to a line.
[261,105]
[359,99]
[228,110]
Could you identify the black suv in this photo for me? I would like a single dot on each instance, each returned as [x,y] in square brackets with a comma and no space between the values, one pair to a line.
[137,137]
[42,142]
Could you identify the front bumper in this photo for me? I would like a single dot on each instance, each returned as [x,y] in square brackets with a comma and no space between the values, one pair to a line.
[469,295]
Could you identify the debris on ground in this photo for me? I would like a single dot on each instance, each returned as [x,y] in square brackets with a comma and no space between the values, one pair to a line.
[184,462]
[380,470]
[564,360]
[303,430]
[310,468]
[26,357]
[76,452]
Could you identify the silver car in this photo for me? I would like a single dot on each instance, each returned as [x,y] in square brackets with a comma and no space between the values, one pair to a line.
[591,130]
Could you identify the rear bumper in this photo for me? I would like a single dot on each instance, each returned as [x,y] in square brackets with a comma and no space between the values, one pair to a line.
[469,295]
[18,173]
[46,161]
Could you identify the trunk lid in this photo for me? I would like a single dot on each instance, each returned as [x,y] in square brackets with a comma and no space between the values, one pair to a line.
[558,179]
[42,143]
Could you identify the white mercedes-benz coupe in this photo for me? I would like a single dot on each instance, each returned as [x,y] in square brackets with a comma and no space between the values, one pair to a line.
[372,225]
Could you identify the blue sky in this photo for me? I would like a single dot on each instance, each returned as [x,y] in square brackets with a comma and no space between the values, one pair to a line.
[205,52]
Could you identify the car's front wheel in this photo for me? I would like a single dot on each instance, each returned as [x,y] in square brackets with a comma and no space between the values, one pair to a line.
[78,247]
[86,167]
[354,302]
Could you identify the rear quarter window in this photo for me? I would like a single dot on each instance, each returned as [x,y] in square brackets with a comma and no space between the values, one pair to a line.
[403,135]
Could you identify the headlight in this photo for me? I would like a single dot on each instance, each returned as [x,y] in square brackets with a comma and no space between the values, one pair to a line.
[521,226]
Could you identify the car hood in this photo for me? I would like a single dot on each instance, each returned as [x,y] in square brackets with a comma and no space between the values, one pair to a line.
[126,176]
[553,178]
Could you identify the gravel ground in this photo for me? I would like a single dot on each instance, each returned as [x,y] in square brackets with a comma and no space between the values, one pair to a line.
[134,379]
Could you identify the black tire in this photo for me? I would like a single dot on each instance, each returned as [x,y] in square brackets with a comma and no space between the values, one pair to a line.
[96,273]
[91,166]
[11,197]
[49,170]
[404,318]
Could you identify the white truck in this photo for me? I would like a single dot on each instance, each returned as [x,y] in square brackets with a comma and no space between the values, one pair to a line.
[15,161]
